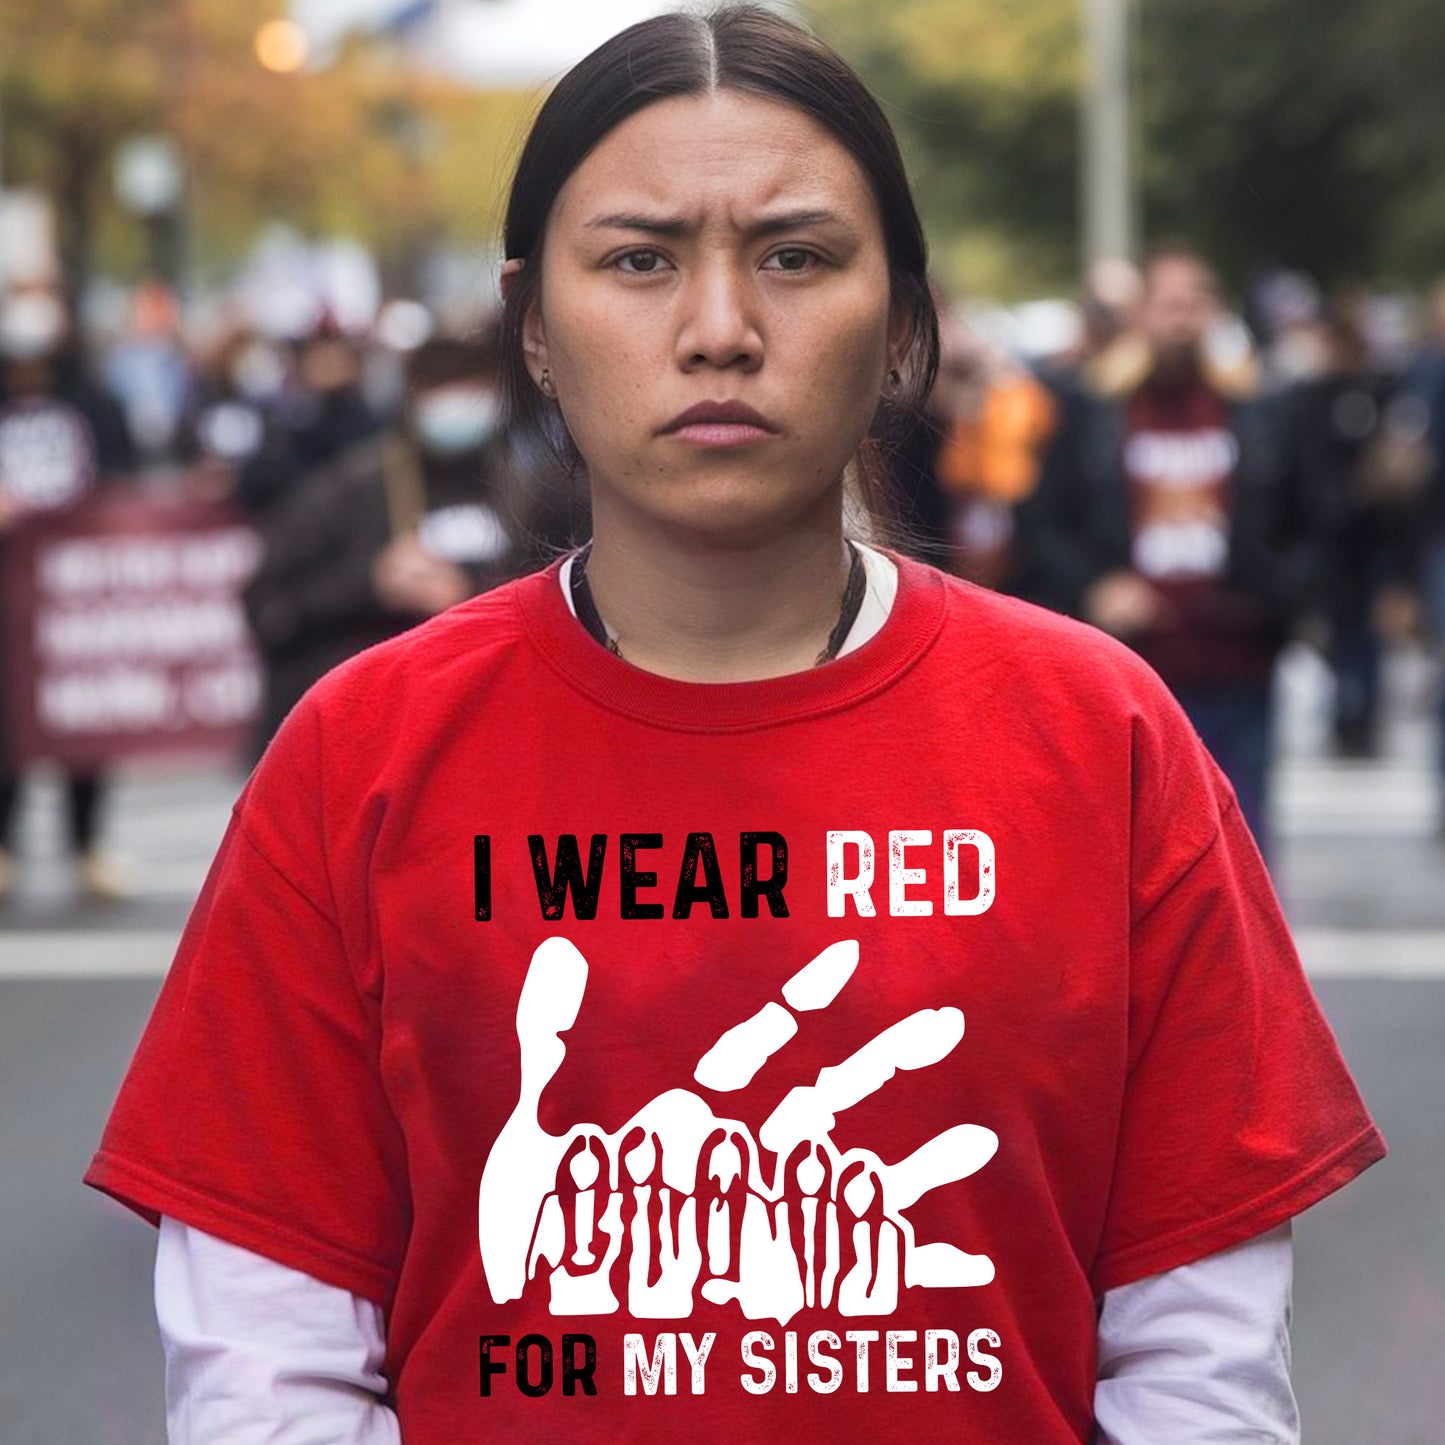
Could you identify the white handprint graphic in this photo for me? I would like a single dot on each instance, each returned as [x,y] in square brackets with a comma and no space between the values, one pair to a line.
[676,1202]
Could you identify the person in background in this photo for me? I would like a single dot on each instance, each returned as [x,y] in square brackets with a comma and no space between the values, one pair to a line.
[1108,307]
[149,373]
[970,457]
[1362,456]
[229,433]
[1169,514]
[60,437]
[1286,313]
[999,420]
[396,529]
[318,412]
[1422,392]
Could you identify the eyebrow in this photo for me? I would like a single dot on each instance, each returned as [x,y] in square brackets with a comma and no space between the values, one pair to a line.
[672,226]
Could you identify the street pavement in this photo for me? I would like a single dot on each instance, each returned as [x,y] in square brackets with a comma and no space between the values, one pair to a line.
[1360,866]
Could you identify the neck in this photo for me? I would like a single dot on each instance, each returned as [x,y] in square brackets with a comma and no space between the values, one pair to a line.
[1175,370]
[700,609]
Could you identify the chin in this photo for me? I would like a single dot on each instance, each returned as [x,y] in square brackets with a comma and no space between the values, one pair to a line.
[737,509]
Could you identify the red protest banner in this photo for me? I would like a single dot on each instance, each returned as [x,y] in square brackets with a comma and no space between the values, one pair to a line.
[123,632]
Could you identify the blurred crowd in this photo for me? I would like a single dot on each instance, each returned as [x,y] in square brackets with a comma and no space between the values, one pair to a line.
[1206,483]
[372,464]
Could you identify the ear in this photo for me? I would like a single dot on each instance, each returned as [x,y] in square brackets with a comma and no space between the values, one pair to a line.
[900,327]
[534,334]
[507,280]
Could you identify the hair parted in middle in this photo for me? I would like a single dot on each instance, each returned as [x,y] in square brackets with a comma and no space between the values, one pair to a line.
[750,50]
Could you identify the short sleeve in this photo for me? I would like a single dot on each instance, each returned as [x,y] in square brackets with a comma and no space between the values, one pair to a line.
[1238,1112]
[254,1108]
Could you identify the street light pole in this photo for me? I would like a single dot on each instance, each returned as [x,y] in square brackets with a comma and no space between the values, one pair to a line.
[1105,190]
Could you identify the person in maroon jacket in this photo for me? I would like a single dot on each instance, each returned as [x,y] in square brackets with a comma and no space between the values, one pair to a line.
[1171,512]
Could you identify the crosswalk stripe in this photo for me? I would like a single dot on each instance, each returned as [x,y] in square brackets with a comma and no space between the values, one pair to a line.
[1372,953]
[1331,800]
[88,953]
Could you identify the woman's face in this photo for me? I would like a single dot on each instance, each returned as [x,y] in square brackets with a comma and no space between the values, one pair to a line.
[726,249]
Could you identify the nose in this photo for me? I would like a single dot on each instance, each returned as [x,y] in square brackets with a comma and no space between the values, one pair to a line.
[718,320]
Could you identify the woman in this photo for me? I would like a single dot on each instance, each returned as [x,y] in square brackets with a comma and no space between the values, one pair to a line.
[61,438]
[567,912]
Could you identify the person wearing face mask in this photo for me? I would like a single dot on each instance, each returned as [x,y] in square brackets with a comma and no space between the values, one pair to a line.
[310,402]
[396,530]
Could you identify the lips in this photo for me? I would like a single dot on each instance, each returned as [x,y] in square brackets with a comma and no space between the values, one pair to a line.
[720,413]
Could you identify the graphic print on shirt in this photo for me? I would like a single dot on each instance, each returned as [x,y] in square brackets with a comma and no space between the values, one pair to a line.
[1180,480]
[675,1204]
[47,453]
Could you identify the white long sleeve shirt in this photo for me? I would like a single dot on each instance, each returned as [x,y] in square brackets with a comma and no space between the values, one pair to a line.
[261,1354]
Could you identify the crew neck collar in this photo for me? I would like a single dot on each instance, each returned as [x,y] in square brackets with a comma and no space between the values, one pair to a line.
[912,624]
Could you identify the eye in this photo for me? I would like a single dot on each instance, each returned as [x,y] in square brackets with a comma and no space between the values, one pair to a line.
[644,262]
[795,259]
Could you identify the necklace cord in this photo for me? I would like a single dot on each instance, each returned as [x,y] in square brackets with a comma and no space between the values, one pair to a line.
[853,594]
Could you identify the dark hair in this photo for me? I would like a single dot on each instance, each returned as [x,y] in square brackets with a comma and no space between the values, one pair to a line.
[441,360]
[741,48]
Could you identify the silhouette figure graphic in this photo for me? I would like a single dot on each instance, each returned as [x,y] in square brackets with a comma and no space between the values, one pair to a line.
[676,1202]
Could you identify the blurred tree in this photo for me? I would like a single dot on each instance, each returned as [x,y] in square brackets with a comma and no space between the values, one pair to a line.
[364,147]
[1267,131]
[985,100]
[1290,132]
[75,79]
[1404,62]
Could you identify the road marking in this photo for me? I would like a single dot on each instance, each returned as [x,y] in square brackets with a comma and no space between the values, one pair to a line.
[102,953]
[1372,953]
[87,953]
[1335,800]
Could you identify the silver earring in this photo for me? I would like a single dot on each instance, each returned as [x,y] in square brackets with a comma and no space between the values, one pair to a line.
[546,385]
[895,379]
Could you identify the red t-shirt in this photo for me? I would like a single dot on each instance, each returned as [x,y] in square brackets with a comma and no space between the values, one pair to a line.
[695,1144]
